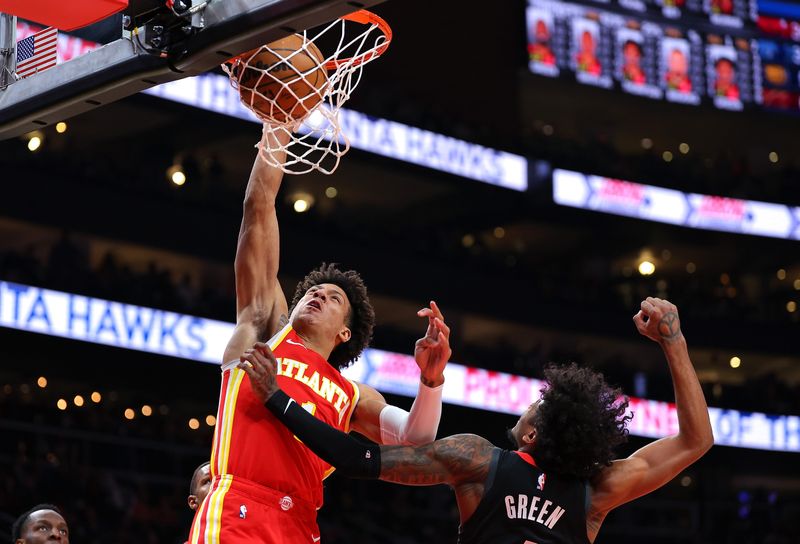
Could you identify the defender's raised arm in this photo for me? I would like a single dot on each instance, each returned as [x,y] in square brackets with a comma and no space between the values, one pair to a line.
[657,463]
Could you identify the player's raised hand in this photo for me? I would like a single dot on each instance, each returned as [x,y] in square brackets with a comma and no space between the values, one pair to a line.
[432,351]
[658,320]
[261,367]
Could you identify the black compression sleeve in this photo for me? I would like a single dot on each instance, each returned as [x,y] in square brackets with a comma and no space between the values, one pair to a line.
[350,456]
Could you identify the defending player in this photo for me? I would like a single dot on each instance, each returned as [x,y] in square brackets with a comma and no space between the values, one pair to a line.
[266,485]
[561,482]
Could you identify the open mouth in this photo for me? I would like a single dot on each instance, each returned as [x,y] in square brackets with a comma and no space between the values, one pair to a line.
[315,304]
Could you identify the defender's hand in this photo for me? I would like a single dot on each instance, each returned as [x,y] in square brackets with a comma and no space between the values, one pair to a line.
[433,350]
[658,320]
[261,367]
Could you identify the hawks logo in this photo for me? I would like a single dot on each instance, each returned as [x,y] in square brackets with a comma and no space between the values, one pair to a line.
[540,481]
[286,503]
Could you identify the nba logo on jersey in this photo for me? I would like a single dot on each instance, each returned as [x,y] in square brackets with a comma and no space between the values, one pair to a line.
[286,503]
[540,481]
[243,511]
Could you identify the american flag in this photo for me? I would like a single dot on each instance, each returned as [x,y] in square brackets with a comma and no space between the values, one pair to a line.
[37,52]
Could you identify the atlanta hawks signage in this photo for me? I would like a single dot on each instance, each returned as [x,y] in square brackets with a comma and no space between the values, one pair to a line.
[89,319]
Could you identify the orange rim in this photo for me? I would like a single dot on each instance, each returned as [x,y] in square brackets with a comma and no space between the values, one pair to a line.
[361,16]
[366,18]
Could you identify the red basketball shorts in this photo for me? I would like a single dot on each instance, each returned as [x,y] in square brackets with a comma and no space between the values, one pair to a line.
[238,511]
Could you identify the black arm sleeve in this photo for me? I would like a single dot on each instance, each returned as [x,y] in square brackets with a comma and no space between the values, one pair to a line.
[350,456]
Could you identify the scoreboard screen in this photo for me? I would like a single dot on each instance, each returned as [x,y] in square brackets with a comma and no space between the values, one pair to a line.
[732,54]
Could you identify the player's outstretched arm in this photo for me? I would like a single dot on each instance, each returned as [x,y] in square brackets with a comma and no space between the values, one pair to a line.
[657,463]
[260,302]
[457,460]
[390,425]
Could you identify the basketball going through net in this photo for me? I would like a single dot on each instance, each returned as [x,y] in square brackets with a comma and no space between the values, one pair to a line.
[292,85]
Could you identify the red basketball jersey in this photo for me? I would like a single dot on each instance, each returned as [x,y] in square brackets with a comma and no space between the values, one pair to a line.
[250,443]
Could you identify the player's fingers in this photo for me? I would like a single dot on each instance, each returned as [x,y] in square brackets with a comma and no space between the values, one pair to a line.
[647,307]
[639,321]
[266,351]
[425,312]
[436,311]
[248,368]
[250,360]
[442,326]
[266,364]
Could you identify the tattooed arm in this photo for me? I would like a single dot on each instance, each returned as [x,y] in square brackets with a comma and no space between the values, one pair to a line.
[657,463]
[461,461]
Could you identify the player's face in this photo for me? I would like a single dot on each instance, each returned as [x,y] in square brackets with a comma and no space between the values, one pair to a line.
[725,72]
[631,53]
[324,307]
[542,33]
[677,62]
[523,428]
[201,488]
[587,42]
[45,526]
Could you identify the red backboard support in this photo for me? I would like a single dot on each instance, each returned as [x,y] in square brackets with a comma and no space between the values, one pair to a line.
[63,14]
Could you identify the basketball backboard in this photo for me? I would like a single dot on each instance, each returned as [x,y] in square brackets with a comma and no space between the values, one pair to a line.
[158,44]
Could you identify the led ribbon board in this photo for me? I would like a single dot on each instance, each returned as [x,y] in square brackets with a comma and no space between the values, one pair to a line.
[661,205]
[213,92]
[88,319]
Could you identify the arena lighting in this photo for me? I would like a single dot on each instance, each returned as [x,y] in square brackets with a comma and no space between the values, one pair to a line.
[147,410]
[781,274]
[646,268]
[735,362]
[468,240]
[42,382]
[796,284]
[149,330]
[35,141]
[302,202]
[129,413]
[791,306]
[691,268]
[211,420]
[176,174]
[78,400]
[667,156]
[331,192]
[647,143]
[773,157]
[683,148]
[61,127]
[96,397]
[194,424]
[499,232]
[61,404]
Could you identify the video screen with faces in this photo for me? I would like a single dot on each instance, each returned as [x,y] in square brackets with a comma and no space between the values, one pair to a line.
[684,51]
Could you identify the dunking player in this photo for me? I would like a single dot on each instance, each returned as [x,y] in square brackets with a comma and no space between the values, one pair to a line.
[560,483]
[266,485]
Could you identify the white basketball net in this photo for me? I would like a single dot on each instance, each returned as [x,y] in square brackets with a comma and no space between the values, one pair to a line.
[315,141]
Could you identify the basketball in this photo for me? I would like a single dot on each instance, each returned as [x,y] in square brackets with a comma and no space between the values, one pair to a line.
[284,80]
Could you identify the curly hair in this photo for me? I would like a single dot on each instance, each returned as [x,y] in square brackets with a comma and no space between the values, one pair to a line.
[360,319]
[579,422]
[19,523]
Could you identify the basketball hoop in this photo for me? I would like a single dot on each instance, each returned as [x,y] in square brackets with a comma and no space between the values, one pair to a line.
[300,103]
